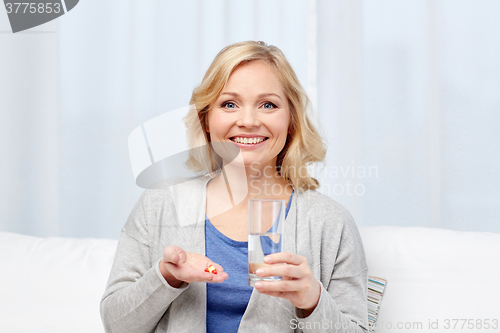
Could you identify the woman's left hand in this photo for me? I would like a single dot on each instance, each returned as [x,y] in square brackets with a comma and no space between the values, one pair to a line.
[298,285]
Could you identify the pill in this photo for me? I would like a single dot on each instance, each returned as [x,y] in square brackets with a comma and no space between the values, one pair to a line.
[211,269]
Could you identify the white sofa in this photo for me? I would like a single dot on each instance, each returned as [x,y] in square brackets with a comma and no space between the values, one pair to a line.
[436,279]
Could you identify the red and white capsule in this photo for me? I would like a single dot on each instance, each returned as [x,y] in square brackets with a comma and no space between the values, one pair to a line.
[211,269]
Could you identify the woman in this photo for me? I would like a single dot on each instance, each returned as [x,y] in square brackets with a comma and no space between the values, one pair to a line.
[253,117]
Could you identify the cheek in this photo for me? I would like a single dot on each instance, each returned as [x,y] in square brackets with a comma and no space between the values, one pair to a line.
[281,126]
[218,125]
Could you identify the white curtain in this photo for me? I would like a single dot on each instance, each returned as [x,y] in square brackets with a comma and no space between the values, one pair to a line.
[406,92]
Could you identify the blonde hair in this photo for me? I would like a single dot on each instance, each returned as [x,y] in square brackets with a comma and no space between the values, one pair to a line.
[304,144]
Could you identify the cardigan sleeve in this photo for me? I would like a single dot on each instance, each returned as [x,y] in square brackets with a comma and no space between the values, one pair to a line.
[343,305]
[136,295]
[328,317]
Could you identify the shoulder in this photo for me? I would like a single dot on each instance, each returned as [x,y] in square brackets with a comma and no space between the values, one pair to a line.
[173,187]
[177,194]
[316,204]
[334,224]
[326,216]
[172,197]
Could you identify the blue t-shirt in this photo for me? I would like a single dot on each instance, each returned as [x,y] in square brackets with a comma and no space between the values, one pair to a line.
[227,301]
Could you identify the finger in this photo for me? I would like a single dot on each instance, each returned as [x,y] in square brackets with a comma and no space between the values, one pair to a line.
[282,286]
[173,258]
[284,257]
[174,254]
[220,276]
[210,277]
[189,274]
[182,256]
[216,278]
[281,294]
[289,271]
[218,267]
[173,269]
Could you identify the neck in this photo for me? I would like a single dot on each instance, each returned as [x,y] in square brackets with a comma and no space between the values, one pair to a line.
[243,182]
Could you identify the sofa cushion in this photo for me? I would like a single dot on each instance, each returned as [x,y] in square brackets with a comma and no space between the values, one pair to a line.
[53,284]
[434,276]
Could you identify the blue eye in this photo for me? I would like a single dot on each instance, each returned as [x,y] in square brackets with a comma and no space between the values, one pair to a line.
[229,105]
[269,105]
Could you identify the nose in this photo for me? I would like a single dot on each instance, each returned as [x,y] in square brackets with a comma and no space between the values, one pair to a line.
[248,117]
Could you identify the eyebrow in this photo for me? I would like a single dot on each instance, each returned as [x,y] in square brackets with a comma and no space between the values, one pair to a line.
[260,96]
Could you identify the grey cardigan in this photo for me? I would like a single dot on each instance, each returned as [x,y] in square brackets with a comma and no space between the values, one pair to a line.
[138,298]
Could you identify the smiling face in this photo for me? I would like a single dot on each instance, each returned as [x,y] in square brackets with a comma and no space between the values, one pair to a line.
[252,112]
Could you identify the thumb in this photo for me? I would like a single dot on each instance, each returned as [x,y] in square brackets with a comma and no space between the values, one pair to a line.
[175,255]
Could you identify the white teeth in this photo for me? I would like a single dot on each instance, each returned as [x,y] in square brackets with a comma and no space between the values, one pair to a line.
[248,140]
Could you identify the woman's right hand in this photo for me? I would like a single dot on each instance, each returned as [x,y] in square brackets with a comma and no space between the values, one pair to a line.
[178,266]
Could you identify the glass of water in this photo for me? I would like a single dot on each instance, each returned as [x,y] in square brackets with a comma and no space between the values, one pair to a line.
[265,234]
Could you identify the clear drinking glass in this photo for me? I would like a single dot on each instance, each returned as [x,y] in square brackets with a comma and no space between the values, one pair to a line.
[265,234]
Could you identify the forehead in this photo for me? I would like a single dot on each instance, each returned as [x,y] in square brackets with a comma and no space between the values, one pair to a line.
[254,77]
